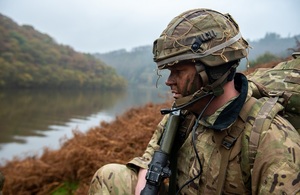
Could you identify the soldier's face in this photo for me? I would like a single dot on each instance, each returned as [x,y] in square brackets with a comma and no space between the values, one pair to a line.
[183,79]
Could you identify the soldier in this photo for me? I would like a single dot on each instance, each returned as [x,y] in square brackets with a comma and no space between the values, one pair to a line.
[202,48]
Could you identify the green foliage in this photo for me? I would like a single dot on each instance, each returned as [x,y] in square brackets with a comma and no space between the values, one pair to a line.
[68,188]
[264,58]
[30,59]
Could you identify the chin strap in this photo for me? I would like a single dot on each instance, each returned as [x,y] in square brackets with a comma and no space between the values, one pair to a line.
[187,99]
[216,88]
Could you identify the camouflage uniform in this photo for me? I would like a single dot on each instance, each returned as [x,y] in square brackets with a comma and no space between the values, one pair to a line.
[276,169]
[113,179]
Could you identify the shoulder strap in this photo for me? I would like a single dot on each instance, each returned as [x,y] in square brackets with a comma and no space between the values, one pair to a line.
[228,142]
[225,149]
[260,122]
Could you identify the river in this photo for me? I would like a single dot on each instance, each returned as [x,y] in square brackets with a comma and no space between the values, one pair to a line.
[33,119]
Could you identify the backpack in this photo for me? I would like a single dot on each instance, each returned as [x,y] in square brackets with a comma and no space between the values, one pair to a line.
[283,83]
[278,92]
[275,91]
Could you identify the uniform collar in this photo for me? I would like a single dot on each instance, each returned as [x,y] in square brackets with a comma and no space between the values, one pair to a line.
[225,116]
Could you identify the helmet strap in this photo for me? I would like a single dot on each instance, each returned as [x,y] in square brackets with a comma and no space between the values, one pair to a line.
[190,99]
[202,72]
[204,79]
[217,86]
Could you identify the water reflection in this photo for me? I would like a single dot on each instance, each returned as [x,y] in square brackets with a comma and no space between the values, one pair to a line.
[32,119]
[24,112]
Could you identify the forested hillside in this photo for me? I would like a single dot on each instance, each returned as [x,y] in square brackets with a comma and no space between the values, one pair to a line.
[30,59]
[70,169]
[274,44]
[138,67]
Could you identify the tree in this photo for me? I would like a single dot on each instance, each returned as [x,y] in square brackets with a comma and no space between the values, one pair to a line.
[262,59]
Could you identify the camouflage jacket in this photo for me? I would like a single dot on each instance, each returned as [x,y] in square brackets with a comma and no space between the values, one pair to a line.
[276,169]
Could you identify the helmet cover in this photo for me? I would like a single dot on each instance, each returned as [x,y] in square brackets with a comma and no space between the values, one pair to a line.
[200,34]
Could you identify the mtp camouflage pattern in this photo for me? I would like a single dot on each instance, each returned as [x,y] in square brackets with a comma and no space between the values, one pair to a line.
[270,151]
[275,169]
[114,179]
[283,81]
[200,34]
[214,39]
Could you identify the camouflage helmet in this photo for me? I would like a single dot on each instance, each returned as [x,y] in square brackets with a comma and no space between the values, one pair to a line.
[200,34]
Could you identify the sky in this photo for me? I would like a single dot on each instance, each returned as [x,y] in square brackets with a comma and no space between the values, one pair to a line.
[99,26]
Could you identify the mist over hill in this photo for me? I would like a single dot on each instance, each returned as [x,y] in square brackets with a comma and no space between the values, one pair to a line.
[31,59]
[138,67]
[273,43]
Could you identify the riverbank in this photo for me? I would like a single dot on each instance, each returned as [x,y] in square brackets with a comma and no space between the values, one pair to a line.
[73,165]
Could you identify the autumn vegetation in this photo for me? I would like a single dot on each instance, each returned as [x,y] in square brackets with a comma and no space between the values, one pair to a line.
[24,63]
[73,165]
[70,169]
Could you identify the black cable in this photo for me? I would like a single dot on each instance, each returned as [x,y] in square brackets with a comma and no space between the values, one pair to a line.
[167,111]
[194,146]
